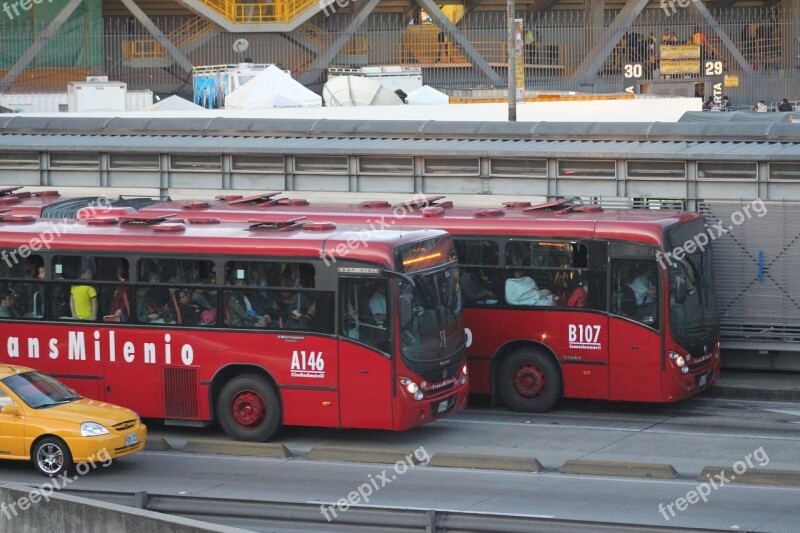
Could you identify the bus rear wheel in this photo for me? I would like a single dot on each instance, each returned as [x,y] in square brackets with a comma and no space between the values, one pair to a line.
[530,381]
[248,409]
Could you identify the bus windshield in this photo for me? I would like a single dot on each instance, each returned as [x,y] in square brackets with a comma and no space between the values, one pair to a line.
[695,321]
[431,327]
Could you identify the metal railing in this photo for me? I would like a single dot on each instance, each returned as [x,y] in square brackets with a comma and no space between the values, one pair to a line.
[260,13]
[766,38]
[307,516]
[183,36]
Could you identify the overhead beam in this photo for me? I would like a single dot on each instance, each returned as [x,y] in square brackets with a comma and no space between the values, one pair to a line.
[456,36]
[37,45]
[315,69]
[609,38]
[168,45]
[737,55]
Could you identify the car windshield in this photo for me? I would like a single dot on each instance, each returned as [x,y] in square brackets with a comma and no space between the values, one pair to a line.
[40,390]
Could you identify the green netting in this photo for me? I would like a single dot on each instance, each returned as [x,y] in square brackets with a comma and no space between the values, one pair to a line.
[79,42]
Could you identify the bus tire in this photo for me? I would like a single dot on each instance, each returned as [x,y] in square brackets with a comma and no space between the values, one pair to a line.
[530,381]
[248,409]
[51,457]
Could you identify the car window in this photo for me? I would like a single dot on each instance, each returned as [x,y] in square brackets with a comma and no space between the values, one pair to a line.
[5,399]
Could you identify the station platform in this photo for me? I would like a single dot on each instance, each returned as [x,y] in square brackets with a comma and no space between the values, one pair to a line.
[757,385]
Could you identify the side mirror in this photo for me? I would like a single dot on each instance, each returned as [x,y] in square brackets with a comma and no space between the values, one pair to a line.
[680,288]
[10,409]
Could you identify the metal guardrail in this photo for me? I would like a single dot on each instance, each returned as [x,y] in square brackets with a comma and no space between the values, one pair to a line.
[307,516]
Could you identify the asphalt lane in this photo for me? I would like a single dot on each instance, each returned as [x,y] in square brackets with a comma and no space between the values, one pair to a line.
[690,435]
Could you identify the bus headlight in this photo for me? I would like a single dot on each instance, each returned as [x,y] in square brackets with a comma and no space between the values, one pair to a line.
[679,361]
[411,387]
[464,375]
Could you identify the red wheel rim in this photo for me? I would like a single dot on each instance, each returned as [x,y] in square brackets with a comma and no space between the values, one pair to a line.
[529,381]
[248,409]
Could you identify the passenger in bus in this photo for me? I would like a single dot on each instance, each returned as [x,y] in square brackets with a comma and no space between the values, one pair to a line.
[522,290]
[190,312]
[301,318]
[240,311]
[120,308]
[83,298]
[643,286]
[518,254]
[7,304]
[377,307]
[474,289]
[36,307]
[579,294]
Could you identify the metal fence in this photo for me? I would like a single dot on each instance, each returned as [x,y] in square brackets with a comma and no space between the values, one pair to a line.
[766,37]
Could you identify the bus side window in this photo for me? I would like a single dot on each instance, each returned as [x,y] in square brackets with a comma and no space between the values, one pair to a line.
[365,312]
[634,290]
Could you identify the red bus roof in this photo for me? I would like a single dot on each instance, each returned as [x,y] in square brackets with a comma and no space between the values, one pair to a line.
[551,219]
[152,234]
[637,225]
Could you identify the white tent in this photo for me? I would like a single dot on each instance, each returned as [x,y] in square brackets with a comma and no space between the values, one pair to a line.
[173,103]
[427,95]
[271,88]
[349,91]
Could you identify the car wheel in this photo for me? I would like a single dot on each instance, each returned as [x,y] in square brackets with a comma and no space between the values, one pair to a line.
[530,381]
[52,457]
[248,409]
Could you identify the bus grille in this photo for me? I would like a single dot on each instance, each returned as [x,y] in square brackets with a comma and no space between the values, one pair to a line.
[180,392]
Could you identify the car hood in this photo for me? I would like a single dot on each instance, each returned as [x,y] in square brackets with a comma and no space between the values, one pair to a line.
[86,410]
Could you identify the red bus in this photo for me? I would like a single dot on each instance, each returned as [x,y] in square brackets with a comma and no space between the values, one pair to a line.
[275,322]
[608,314]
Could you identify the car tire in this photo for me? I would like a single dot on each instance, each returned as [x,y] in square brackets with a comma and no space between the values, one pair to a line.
[248,409]
[530,381]
[51,457]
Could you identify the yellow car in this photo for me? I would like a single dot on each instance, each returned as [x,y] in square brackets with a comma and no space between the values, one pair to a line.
[44,421]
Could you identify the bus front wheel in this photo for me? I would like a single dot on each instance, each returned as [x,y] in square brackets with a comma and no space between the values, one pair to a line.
[530,381]
[248,409]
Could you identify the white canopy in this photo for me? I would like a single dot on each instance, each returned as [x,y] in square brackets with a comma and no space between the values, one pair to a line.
[271,88]
[173,103]
[427,95]
[348,91]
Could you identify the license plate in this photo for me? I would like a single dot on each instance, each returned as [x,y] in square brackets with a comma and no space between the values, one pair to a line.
[131,439]
[442,407]
[702,381]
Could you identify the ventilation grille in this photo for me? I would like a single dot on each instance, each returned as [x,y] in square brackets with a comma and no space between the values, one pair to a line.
[180,392]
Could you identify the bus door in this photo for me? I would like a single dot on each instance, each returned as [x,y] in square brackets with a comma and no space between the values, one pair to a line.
[634,329]
[365,361]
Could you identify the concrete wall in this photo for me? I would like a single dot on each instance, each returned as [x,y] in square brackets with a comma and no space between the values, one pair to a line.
[68,514]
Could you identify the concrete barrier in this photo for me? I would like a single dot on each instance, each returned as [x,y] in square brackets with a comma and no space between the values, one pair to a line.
[28,509]
[157,445]
[752,476]
[226,447]
[486,462]
[611,468]
[361,455]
